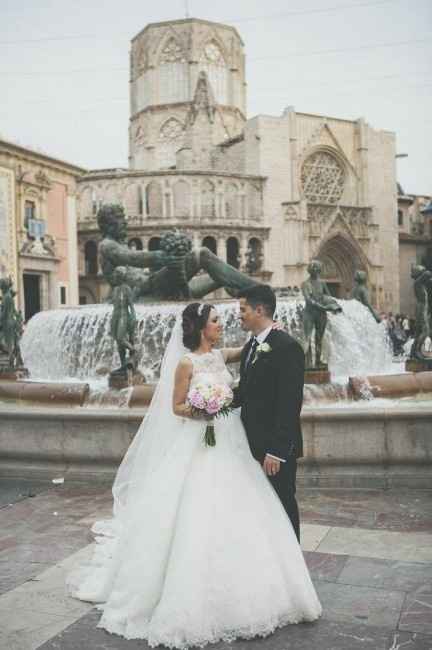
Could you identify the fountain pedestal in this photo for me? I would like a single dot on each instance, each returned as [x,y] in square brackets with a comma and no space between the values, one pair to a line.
[418,365]
[9,373]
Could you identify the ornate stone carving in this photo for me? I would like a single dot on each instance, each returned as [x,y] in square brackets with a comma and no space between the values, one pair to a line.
[357,218]
[172,52]
[322,178]
[42,179]
[203,100]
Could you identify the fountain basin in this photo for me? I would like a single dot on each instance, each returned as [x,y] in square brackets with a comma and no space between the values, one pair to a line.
[59,394]
[344,447]
[403,385]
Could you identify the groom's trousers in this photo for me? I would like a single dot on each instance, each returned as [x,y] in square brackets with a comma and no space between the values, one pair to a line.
[284,482]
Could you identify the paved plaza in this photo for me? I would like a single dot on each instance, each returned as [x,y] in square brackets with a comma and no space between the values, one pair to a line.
[369,553]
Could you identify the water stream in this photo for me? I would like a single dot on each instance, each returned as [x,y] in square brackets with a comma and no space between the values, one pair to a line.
[74,344]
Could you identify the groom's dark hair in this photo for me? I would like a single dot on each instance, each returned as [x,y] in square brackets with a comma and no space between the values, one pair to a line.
[260,294]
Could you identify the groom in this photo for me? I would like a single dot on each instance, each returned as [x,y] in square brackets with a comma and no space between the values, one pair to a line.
[270,394]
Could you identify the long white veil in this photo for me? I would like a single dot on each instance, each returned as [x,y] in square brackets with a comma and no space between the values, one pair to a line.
[157,433]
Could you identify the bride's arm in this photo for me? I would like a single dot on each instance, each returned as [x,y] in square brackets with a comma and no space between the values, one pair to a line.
[232,355]
[182,381]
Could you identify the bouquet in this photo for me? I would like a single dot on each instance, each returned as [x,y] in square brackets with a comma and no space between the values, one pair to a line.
[210,401]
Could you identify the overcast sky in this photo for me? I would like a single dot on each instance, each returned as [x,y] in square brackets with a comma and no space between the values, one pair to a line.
[64,69]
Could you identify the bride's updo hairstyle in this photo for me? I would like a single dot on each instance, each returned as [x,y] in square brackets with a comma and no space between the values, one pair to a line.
[194,320]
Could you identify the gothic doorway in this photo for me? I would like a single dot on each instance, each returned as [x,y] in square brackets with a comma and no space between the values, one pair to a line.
[32,294]
[340,259]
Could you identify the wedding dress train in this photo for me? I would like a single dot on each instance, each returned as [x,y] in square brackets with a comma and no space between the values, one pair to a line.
[206,552]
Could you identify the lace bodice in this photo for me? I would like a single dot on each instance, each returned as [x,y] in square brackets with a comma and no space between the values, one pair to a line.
[210,367]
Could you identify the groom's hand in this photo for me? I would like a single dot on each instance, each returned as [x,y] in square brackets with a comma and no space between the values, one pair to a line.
[271,465]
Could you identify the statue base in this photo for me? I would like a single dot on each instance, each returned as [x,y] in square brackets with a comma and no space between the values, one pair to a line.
[317,376]
[418,365]
[9,373]
[120,379]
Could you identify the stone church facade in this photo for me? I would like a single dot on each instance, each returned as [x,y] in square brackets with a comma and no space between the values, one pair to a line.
[267,194]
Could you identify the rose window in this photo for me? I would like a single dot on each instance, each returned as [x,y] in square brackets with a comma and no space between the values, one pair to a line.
[322,178]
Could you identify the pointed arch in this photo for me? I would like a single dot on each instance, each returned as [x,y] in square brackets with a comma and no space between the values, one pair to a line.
[231,201]
[182,198]
[171,139]
[208,199]
[173,71]
[341,257]
[153,197]
[213,61]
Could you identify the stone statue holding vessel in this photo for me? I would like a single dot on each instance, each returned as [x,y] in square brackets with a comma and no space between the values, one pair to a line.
[318,301]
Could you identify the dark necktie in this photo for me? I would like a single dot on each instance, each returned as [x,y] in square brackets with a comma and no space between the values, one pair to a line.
[251,352]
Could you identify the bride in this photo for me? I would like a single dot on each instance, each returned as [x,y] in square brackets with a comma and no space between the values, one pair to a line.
[200,548]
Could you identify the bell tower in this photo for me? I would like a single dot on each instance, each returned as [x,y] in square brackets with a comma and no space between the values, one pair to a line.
[187,92]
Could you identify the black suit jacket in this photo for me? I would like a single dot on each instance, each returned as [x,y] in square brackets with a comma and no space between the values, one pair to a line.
[270,394]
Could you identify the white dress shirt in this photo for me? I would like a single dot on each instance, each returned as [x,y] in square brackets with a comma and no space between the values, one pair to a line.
[261,337]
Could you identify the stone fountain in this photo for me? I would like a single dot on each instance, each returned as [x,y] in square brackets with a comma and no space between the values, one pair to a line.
[83,433]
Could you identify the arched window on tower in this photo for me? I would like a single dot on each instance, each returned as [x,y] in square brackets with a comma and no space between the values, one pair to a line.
[208,200]
[231,201]
[154,200]
[210,243]
[181,191]
[213,63]
[91,258]
[171,137]
[232,250]
[254,201]
[173,74]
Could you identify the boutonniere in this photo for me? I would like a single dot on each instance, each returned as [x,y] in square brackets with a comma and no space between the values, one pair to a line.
[263,348]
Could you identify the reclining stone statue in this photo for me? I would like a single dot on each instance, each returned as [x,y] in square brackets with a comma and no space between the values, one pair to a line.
[167,274]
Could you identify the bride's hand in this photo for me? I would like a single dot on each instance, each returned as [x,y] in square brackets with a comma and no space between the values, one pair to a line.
[277,325]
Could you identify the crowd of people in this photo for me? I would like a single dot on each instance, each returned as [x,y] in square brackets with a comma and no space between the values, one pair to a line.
[400,329]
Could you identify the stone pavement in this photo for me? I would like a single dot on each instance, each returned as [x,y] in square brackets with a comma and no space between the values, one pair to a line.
[369,553]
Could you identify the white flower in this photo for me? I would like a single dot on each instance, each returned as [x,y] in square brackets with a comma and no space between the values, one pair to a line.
[263,348]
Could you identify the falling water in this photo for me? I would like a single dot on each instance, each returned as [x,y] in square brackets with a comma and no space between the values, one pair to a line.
[75,344]
[356,344]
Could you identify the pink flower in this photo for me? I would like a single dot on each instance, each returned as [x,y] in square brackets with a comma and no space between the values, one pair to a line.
[196,400]
[213,406]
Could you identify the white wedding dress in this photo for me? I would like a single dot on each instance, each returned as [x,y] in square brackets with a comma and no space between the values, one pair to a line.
[206,551]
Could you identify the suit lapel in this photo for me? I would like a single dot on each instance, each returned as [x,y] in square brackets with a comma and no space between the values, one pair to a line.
[256,365]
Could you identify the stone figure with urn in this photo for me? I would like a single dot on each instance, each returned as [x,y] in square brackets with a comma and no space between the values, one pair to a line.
[318,301]
[11,330]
